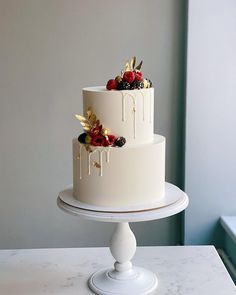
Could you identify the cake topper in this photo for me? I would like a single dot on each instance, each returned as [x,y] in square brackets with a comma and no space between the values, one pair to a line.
[131,78]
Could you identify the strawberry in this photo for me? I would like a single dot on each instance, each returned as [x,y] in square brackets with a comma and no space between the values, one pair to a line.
[112,84]
[129,76]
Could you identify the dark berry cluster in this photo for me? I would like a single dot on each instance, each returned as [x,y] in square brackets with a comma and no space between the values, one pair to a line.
[137,85]
[123,85]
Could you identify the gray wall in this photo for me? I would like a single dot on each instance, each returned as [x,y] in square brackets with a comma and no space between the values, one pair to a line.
[50,49]
[211,119]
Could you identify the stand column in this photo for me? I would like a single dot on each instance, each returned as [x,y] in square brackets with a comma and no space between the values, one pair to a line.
[123,279]
[122,247]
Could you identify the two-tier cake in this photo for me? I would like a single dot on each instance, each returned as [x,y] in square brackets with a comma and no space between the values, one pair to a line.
[118,161]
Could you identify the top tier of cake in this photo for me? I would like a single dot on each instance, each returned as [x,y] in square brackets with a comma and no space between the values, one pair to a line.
[127,113]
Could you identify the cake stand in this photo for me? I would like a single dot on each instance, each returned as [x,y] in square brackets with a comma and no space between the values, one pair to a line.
[124,279]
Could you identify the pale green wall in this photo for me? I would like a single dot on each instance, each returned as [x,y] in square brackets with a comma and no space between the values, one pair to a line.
[49,51]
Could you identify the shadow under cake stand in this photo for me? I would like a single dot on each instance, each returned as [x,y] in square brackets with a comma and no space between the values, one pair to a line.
[124,279]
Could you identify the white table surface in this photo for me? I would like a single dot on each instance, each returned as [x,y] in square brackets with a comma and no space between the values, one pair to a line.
[188,270]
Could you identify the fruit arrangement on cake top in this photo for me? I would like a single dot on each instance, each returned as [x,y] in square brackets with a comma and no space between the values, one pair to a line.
[131,78]
[95,133]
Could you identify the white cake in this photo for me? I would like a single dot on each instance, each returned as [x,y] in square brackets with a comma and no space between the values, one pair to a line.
[121,177]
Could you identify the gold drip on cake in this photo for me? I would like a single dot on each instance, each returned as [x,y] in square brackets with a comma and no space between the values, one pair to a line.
[143,104]
[150,110]
[91,162]
[134,108]
[80,162]
[133,97]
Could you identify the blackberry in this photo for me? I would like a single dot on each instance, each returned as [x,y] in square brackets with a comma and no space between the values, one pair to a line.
[123,86]
[150,83]
[137,85]
[120,141]
[81,137]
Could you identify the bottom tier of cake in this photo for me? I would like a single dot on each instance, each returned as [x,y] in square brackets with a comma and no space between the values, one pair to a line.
[119,177]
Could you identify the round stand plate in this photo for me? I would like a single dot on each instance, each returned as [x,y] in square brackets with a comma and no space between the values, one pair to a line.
[140,282]
[168,199]
[174,201]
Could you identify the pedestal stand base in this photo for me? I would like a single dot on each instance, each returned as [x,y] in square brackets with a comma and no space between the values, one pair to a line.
[124,279]
[138,281]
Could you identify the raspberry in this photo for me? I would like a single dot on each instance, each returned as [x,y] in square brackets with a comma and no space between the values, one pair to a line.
[98,140]
[138,76]
[110,139]
[112,84]
[129,77]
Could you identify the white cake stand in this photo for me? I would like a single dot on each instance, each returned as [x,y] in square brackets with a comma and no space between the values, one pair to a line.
[124,279]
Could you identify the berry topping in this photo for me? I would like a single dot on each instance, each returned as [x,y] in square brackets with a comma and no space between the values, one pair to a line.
[82,137]
[109,140]
[130,73]
[129,76]
[120,141]
[95,133]
[123,86]
[138,75]
[98,140]
[137,85]
[112,84]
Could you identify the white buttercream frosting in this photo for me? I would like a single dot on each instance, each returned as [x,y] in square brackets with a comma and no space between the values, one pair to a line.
[127,113]
[134,175]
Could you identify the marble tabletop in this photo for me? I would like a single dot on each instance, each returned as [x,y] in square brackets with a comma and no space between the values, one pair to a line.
[186,270]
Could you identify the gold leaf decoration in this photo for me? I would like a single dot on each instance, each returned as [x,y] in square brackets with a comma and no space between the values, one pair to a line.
[139,66]
[88,148]
[96,164]
[132,63]
[127,66]
[89,112]
[93,119]
[88,122]
[81,118]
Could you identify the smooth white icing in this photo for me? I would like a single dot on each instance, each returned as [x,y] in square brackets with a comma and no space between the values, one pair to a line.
[135,174]
[125,113]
